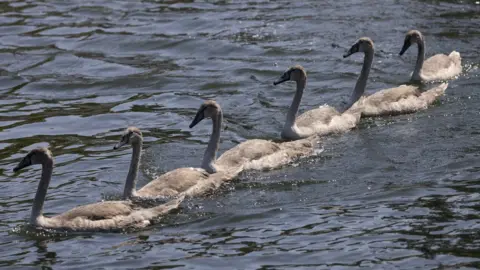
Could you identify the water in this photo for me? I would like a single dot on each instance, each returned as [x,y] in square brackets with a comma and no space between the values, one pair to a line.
[397,193]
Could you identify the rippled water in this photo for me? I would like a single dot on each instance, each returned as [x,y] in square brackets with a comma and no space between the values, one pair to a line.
[396,193]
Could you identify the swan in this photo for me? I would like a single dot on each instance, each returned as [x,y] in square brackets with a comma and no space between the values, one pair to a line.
[398,100]
[255,154]
[103,216]
[320,121]
[437,67]
[172,183]
[189,181]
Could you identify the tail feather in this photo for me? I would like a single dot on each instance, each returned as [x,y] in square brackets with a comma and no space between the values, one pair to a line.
[455,55]
[431,95]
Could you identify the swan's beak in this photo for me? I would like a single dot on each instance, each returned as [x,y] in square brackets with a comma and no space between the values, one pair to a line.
[119,144]
[285,77]
[198,117]
[25,162]
[279,81]
[405,47]
[351,51]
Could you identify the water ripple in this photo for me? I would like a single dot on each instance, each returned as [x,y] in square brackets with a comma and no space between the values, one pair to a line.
[395,193]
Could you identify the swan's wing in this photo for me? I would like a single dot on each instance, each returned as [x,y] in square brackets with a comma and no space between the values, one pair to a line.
[436,63]
[288,152]
[246,152]
[134,219]
[98,211]
[391,101]
[326,120]
[322,115]
[400,100]
[173,182]
[442,67]
[391,95]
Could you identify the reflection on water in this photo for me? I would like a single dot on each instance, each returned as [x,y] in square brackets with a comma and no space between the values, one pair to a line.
[397,192]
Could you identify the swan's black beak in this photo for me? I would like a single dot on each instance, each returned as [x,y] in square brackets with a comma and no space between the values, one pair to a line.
[118,145]
[123,141]
[285,77]
[405,47]
[351,51]
[25,162]
[198,117]
[279,81]
[18,168]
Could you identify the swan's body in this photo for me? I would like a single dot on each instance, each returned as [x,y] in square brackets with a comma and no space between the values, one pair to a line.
[321,121]
[104,216]
[182,181]
[173,182]
[169,184]
[398,100]
[253,154]
[247,151]
[283,153]
[435,68]
[259,154]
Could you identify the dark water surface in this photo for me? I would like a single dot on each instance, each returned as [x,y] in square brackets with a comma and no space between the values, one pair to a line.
[396,193]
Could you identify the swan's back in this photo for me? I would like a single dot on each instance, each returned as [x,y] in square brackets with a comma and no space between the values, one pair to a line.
[173,182]
[326,120]
[392,95]
[288,152]
[442,67]
[245,152]
[107,216]
[263,155]
[97,211]
[322,114]
[399,100]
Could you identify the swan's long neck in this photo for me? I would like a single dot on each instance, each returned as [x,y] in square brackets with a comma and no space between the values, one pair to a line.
[420,59]
[292,112]
[37,209]
[362,79]
[211,153]
[131,183]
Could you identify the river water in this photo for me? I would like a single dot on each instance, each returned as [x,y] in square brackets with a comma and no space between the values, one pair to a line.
[396,193]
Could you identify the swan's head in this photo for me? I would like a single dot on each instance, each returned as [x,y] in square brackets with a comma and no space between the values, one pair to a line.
[295,73]
[363,44]
[209,108]
[412,37]
[36,156]
[132,135]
